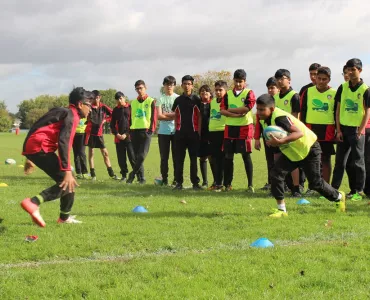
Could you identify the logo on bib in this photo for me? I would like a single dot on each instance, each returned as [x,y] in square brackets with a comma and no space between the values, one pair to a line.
[242,100]
[140,113]
[329,97]
[318,105]
[358,96]
[286,102]
[215,115]
[351,106]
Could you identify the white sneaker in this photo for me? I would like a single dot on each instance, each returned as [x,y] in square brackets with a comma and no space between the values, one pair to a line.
[70,220]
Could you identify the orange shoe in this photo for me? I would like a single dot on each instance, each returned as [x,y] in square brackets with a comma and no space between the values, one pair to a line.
[33,210]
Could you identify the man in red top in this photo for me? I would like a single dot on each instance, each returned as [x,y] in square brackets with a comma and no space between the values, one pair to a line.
[55,131]
[188,120]
[100,113]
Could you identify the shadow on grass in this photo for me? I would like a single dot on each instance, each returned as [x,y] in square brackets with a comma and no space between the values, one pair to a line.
[162,214]
[158,191]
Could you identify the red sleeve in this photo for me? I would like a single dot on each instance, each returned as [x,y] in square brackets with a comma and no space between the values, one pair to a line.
[257,128]
[224,105]
[66,136]
[251,100]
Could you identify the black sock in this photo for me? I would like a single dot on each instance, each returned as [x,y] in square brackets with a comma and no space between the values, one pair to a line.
[92,172]
[296,189]
[203,170]
[35,200]
[110,171]
[63,216]
[248,165]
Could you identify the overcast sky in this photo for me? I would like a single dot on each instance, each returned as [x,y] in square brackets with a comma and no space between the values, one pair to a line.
[47,46]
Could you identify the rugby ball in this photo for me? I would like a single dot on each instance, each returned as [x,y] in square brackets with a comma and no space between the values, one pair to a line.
[274,131]
[10,161]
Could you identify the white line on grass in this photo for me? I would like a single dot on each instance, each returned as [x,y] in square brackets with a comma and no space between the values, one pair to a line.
[340,240]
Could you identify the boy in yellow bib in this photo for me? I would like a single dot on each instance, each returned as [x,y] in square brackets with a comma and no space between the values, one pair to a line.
[352,115]
[317,112]
[299,149]
[143,124]
[288,100]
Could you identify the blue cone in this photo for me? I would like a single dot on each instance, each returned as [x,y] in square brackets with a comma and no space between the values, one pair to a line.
[262,243]
[303,201]
[139,209]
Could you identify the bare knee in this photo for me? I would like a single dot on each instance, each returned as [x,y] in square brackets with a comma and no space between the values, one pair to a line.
[104,152]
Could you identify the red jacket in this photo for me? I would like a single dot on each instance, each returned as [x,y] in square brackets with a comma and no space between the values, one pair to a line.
[54,131]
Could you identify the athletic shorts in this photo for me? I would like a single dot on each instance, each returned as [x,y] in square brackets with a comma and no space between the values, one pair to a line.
[327,148]
[94,141]
[237,146]
[216,141]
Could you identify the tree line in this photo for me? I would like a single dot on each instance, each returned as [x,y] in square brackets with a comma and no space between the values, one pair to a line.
[29,111]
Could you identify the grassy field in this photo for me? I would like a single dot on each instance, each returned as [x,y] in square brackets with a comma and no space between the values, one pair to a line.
[197,250]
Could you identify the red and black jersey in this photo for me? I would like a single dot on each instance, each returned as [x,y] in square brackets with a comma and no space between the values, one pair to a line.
[97,117]
[187,113]
[54,131]
[239,132]
[121,120]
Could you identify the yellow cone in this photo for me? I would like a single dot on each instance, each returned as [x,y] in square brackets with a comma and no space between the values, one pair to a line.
[2,184]
[21,166]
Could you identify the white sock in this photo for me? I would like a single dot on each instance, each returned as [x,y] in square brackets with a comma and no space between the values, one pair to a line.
[339,196]
[282,207]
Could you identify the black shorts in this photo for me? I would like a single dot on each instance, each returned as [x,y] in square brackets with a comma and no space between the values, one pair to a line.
[327,148]
[204,149]
[95,141]
[237,146]
[216,142]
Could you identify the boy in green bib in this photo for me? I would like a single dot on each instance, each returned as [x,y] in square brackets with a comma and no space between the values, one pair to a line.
[216,136]
[143,123]
[352,114]
[299,149]
[288,100]
[317,112]
[237,106]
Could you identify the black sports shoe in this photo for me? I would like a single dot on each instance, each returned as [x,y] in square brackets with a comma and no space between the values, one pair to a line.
[266,187]
[131,178]
[197,187]
[205,184]
[174,183]
[178,187]
[296,195]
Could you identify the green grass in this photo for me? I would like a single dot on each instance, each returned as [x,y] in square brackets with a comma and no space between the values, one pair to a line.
[198,250]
